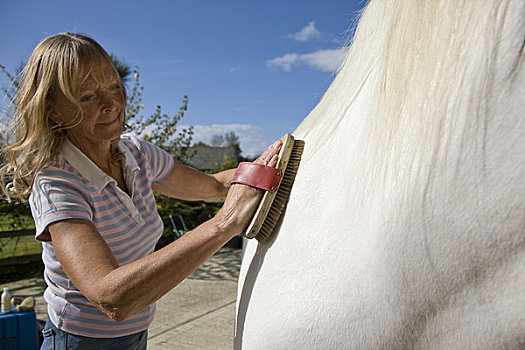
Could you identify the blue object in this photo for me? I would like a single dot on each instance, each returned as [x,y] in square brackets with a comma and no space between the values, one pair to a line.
[18,331]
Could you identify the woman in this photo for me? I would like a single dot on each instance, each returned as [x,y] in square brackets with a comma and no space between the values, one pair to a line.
[91,198]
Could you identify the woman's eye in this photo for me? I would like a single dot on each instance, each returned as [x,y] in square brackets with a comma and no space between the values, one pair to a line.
[87,98]
[114,87]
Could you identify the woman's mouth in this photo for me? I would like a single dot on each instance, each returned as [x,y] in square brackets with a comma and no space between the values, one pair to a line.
[110,123]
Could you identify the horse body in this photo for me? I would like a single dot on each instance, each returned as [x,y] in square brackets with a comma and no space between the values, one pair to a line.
[420,244]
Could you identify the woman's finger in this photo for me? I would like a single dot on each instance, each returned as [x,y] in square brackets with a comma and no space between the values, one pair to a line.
[266,157]
[273,161]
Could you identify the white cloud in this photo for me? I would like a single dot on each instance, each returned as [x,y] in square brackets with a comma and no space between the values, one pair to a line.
[251,138]
[308,32]
[323,60]
[284,62]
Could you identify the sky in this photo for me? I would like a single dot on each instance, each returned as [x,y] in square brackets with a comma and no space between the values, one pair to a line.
[256,68]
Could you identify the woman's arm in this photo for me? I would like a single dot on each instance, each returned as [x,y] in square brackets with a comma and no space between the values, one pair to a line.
[187,183]
[121,291]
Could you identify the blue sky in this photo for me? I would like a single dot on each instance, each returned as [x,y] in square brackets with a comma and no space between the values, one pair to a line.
[253,67]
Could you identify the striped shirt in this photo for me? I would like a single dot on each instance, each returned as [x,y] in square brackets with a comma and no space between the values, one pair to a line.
[73,187]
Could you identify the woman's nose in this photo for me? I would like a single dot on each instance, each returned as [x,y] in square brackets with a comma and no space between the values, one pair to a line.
[108,102]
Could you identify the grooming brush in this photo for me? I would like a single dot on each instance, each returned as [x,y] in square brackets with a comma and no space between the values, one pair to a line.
[272,204]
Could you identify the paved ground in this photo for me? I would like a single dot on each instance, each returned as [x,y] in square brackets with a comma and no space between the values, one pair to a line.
[198,314]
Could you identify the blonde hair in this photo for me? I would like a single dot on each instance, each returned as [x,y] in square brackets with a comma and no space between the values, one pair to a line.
[60,63]
[431,65]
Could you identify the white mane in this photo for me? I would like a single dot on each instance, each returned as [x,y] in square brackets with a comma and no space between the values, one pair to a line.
[427,62]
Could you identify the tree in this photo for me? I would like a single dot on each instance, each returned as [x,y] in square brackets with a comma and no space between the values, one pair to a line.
[229,139]
[14,79]
[123,69]
[233,141]
[217,141]
[161,129]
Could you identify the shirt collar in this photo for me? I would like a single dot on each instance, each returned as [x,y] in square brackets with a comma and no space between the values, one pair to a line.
[90,170]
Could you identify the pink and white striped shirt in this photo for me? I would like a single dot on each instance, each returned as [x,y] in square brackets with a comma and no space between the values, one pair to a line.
[73,187]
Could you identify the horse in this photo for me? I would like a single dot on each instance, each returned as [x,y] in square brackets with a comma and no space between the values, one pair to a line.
[405,227]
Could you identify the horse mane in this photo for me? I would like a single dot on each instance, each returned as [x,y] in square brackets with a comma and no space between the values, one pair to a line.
[430,66]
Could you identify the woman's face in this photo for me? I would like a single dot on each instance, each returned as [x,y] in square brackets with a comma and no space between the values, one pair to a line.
[102,102]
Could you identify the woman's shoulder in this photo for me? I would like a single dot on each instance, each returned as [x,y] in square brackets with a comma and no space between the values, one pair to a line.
[58,165]
[59,171]
[131,142]
[146,154]
[138,147]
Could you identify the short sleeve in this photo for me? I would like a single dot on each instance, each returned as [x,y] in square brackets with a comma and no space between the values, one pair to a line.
[56,198]
[160,162]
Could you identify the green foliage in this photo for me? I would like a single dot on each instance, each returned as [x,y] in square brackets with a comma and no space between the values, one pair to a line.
[15,215]
[19,246]
[122,67]
[134,97]
[228,163]
[232,140]
[193,212]
[161,130]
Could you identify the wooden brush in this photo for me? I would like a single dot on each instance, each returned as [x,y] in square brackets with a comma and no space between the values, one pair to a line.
[272,204]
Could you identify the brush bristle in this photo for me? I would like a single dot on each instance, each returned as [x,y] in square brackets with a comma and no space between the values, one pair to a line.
[283,193]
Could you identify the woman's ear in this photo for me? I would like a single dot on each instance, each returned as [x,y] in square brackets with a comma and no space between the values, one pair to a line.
[52,114]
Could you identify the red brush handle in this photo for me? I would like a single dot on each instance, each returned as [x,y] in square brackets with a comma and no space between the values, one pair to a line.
[258,175]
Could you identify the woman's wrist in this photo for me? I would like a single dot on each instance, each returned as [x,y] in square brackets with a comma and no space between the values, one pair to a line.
[224,181]
[224,225]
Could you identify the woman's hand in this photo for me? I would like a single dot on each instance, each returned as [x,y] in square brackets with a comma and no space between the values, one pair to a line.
[242,200]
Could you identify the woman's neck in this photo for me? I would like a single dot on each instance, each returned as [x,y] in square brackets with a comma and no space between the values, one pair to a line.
[98,152]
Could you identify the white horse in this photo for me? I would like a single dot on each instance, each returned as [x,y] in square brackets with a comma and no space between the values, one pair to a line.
[405,228]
